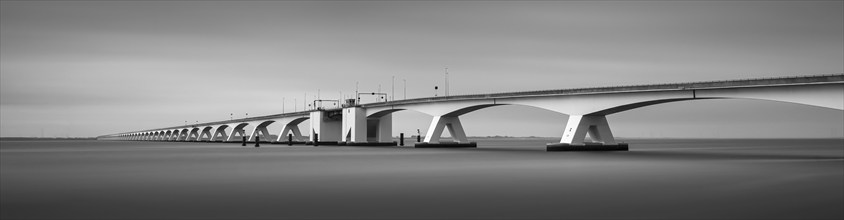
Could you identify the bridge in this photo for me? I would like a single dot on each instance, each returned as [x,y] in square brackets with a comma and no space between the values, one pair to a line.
[371,124]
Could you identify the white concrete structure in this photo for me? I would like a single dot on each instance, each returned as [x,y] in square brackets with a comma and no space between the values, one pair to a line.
[587,108]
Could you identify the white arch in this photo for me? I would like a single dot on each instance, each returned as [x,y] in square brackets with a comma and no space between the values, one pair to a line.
[220,130]
[193,134]
[204,133]
[237,129]
[291,126]
[183,135]
[262,128]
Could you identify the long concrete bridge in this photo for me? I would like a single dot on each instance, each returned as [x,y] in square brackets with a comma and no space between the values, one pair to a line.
[371,124]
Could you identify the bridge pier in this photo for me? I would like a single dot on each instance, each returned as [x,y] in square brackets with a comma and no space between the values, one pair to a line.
[174,136]
[220,131]
[193,135]
[328,125]
[290,128]
[205,132]
[237,130]
[578,126]
[455,128]
[262,128]
[360,130]
[354,125]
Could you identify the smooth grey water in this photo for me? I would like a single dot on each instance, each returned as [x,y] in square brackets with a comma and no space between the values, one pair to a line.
[503,179]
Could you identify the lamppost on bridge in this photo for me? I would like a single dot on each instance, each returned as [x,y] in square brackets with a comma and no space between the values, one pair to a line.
[446,81]
[393,89]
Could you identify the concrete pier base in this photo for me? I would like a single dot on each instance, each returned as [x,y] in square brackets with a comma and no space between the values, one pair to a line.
[586,147]
[390,144]
[446,145]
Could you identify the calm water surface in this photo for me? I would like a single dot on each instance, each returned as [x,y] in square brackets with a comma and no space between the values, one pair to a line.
[503,179]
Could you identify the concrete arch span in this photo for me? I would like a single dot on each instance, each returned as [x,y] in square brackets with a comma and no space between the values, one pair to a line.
[587,112]
[290,126]
[183,135]
[175,135]
[237,129]
[193,134]
[261,129]
[205,133]
[219,133]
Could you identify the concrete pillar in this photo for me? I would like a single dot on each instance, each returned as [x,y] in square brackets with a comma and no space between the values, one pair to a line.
[288,128]
[193,135]
[205,132]
[174,135]
[380,129]
[454,127]
[265,134]
[237,130]
[579,126]
[219,131]
[329,129]
[183,136]
[354,125]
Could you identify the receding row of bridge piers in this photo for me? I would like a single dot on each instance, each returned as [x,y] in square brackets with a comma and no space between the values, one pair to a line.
[352,127]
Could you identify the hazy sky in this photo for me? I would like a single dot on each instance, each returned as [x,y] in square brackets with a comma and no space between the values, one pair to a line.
[91,68]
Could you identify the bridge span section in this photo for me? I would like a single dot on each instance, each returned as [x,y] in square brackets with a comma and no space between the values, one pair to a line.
[587,109]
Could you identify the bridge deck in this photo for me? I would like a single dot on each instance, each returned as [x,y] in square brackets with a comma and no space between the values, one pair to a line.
[780,81]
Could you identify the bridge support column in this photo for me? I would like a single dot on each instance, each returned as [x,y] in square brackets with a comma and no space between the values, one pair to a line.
[206,132]
[598,129]
[328,125]
[455,128]
[184,135]
[193,135]
[173,136]
[220,132]
[380,129]
[265,134]
[354,125]
[359,130]
[236,131]
[290,128]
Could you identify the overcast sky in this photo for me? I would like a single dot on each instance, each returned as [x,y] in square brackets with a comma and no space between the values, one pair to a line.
[92,68]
